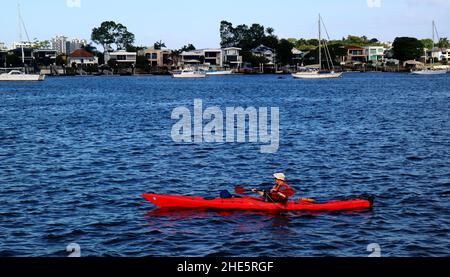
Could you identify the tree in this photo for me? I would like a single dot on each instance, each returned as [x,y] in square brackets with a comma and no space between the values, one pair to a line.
[110,33]
[406,48]
[284,51]
[159,44]
[427,43]
[246,37]
[227,38]
[61,60]
[113,64]
[443,43]
[186,48]
[37,44]
[89,48]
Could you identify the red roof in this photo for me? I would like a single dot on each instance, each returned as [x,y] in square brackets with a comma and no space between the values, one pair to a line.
[81,53]
[353,47]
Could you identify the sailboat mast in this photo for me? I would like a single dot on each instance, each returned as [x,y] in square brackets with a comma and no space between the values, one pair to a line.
[432,49]
[19,17]
[320,44]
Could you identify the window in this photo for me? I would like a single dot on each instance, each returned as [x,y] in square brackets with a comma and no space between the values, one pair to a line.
[121,57]
[154,56]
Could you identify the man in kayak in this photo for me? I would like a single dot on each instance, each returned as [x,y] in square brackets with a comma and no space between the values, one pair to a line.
[280,192]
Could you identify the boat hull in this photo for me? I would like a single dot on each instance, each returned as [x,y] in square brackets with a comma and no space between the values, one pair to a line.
[189,75]
[219,73]
[22,77]
[429,72]
[251,203]
[316,75]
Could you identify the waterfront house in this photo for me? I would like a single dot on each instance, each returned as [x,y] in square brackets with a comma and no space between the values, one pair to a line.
[232,58]
[439,54]
[374,54]
[355,55]
[211,58]
[158,57]
[27,55]
[3,54]
[45,57]
[297,56]
[82,57]
[122,57]
[266,52]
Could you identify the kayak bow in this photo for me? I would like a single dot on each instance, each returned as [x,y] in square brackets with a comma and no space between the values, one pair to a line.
[252,203]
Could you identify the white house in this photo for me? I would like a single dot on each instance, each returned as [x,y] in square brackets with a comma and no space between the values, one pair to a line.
[232,57]
[374,53]
[207,57]
[439,53]
[81,57]
[267,52]
[121,56]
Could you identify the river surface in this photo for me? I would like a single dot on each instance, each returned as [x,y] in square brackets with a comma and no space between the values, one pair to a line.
[77,153]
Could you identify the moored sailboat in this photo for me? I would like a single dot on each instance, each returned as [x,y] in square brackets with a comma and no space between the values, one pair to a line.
[431,70]
[320,73]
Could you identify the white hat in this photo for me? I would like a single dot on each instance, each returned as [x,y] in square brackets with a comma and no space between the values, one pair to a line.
[279,176]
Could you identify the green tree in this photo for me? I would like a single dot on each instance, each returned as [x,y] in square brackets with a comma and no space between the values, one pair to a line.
[37,44]
[227,37]
[427,43]
[443,43]
[159,45]
[407,48]
[110,33]
[89,48]
[61,60]
[113,64]
[284,51]
[186,48]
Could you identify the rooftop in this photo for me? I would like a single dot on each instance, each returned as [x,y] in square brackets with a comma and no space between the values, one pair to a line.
[81,53]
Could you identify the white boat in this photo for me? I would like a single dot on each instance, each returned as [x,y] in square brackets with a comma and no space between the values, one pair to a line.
[189,73]
[319,73]
[16,75]
[433,70]
[429,72]
[219,72]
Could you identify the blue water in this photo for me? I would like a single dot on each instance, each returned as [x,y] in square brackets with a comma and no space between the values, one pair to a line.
[77,153]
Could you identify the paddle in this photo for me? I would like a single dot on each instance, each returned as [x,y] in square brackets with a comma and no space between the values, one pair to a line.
[239,189]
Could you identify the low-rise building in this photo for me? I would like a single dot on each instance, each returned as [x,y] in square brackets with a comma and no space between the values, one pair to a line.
[297,56]
[158,57]
[82,57]
[374,53]
[204,57]
[3,46]
[231,57]
[24,54]
[3,54]
[355,54]
[122,57]
[438,53]
[23,44]
[45,56]
[266,52]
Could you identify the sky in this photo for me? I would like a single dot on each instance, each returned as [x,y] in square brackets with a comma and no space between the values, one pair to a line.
[179,22]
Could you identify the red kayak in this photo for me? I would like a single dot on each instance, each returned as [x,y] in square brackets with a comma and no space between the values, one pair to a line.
[252,203]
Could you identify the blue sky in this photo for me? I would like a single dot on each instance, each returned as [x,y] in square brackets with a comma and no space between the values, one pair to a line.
[178,22]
